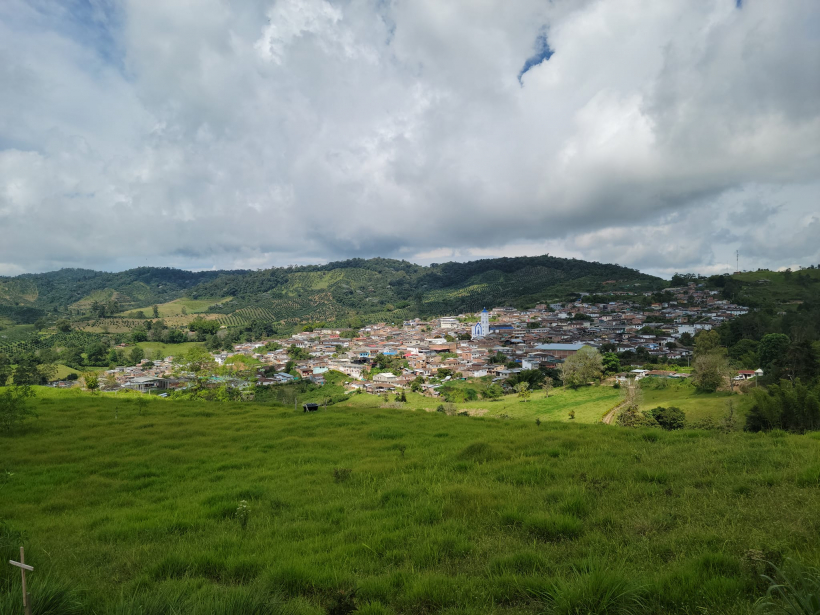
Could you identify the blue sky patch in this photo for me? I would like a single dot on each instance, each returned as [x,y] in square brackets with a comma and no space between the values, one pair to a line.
[543,52]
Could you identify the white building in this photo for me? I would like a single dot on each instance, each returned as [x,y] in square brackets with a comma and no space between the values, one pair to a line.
[482,328]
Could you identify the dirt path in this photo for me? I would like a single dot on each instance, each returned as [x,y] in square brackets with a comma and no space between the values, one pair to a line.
[610,416]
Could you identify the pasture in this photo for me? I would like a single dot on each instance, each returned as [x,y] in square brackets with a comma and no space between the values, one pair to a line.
[130,509]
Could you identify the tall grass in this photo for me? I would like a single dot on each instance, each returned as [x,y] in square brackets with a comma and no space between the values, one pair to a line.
[124,510]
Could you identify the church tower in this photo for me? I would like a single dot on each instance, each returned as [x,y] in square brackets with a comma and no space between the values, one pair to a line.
[482,328]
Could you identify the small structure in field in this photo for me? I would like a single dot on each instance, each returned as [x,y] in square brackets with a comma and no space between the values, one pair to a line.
[310,407]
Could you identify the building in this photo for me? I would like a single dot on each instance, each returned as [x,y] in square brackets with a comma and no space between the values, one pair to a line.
[561,351]
[146,383]
[482,328]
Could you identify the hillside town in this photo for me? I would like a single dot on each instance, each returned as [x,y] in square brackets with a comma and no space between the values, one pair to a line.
[495,342]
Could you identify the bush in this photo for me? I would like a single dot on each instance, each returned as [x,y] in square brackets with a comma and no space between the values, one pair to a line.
[340,475]
[14,406]
[669,418]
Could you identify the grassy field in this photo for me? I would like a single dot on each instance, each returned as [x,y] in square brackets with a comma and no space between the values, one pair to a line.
[174,308]
[589,403]
[129,510]
[168,349]
[696,405]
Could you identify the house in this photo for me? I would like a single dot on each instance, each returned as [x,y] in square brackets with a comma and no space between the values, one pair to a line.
[146,383]
[385,377]
[748,374]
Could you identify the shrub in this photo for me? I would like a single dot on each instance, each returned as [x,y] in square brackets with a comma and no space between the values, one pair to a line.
[14,406]
[669,418]
[340,475]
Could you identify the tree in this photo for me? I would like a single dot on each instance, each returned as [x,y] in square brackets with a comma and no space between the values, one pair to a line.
[113,357]
[523,390]
[611,363]
[136,355]
[139,335]
[5,369]
[582,367]
[26,372]
[199,363]
[92,381]
[711,370]
[669,418]
[686,339]
[706,341]
[547,386]
[96,353]
[298,354]
[110,381]
[494,391]
[175,336]
[63,325]
[14,406]
[772,349]
[155,310]
[206,327]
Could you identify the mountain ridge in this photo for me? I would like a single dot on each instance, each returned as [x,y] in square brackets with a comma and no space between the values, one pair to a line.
[328,292]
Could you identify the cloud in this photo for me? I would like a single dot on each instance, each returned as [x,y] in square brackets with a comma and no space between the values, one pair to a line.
[204,133]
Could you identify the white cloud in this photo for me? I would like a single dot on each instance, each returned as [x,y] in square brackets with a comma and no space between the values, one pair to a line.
[205,133]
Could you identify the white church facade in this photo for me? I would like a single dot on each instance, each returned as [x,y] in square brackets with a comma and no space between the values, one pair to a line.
[481,329]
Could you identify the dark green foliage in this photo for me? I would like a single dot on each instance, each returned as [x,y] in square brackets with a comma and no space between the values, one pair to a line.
[14,406]
[5,369]
[669,418]
[207,327]
[793,591]
[773,347]
[787,406]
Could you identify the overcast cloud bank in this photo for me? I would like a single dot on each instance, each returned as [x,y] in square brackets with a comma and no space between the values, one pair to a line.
[205,133]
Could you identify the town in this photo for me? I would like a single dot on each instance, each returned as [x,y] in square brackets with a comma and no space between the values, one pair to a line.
[497,342]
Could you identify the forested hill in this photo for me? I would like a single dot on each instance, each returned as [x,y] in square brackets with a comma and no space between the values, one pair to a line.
[376,288]
[62,290]
[392,289]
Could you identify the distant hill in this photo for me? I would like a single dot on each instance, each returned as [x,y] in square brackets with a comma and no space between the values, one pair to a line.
[372,289]
[26,295]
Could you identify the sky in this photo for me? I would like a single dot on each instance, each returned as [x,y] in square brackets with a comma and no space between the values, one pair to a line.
[663,136]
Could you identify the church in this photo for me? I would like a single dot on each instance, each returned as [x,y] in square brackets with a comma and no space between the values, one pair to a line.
[482,328]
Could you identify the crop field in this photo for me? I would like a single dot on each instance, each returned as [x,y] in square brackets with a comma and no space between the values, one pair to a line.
[34,341]
[195,507]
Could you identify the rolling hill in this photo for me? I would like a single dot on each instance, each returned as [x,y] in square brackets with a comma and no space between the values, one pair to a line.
[373,289]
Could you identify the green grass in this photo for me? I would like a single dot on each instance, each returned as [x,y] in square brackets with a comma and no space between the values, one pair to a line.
[589,403]
[168,349]
[64,370]
[174,308]
[123,511]
[696,405]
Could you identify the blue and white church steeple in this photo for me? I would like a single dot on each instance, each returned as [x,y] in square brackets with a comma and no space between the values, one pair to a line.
[482,327]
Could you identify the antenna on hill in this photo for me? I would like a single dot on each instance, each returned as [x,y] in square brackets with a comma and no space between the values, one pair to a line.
[737,260]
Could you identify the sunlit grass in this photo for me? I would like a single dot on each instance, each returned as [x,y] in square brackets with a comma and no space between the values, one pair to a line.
[435,513]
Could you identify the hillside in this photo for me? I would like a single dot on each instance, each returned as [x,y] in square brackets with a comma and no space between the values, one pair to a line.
[128,509]
[383,289]
[26,295]
[374,289]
